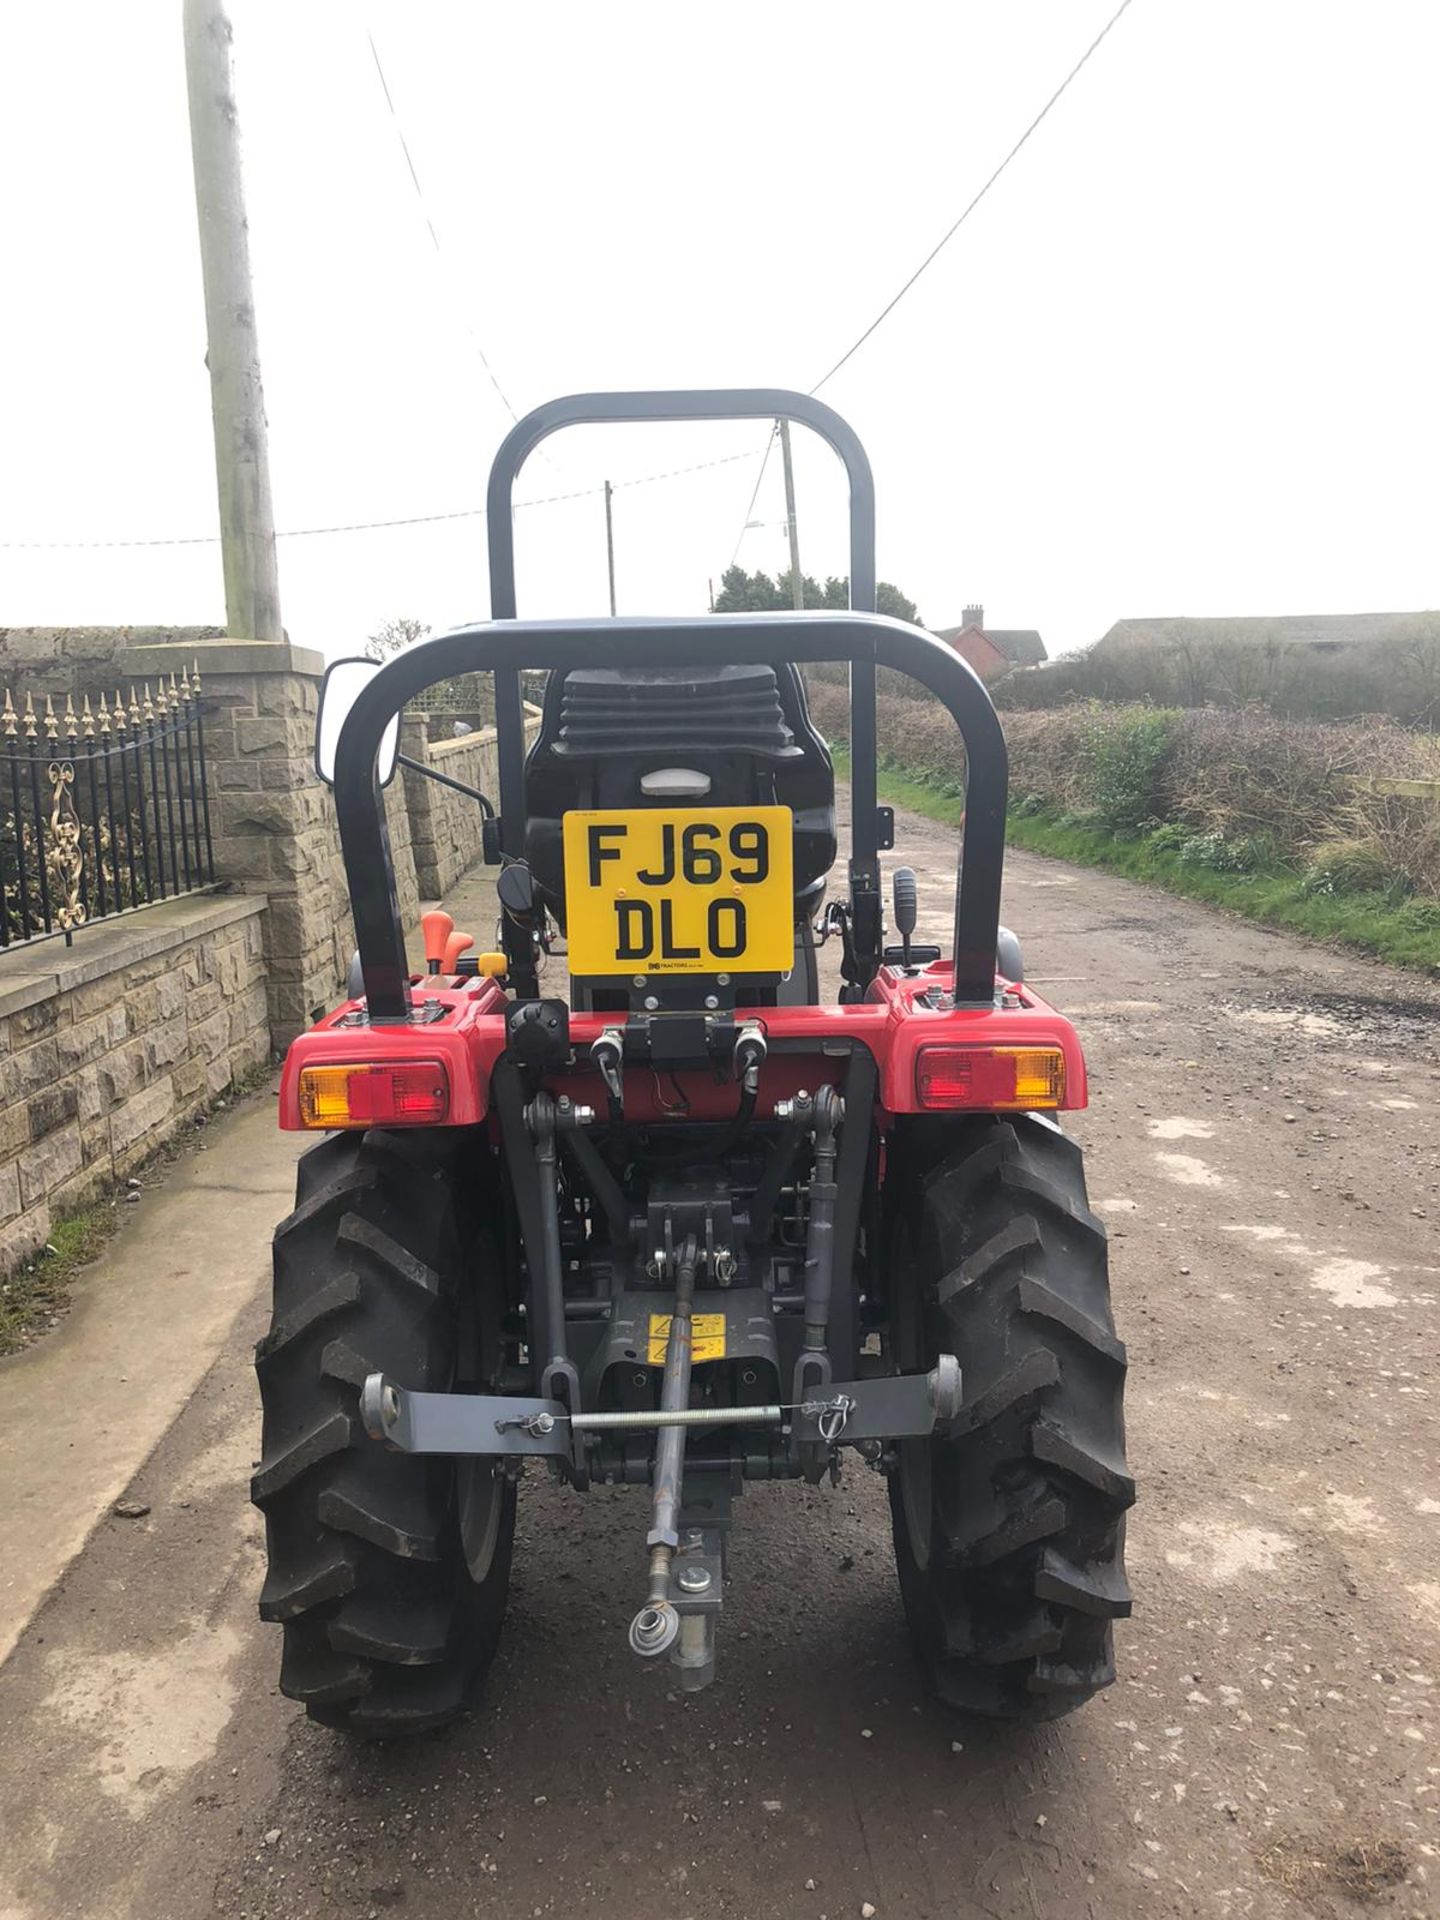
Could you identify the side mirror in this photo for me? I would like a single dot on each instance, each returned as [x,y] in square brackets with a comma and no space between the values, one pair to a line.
[344,682]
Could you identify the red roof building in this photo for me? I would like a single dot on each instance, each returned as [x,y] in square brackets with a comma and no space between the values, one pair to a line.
[992,651]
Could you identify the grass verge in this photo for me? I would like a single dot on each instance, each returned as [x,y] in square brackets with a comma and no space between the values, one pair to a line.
[38,1292]
[1404,932]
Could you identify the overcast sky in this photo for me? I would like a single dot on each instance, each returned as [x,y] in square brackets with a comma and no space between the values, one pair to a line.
[1182,359]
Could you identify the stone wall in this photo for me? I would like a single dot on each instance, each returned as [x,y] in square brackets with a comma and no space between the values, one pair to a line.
[107,1048]
[445,825]
[86,659]
[273,821]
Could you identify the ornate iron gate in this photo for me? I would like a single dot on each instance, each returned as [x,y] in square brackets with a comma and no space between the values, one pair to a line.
[103,810]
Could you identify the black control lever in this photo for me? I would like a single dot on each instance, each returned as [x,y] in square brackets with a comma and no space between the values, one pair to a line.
[907,903]
[608,1052]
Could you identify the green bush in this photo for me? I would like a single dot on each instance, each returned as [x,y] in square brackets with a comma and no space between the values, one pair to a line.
[1219,855]
[1124,755]
[1173,837]
[1353,866]
[1231,792]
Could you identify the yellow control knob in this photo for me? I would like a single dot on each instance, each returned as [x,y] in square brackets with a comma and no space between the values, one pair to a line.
[491,965]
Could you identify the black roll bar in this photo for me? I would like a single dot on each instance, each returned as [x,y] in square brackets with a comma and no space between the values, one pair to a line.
[866,640]
[726,403]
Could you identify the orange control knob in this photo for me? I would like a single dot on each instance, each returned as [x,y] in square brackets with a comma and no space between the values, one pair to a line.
[457,944]
[437,928]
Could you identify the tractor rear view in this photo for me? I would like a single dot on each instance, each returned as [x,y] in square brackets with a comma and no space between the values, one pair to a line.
[685,1226]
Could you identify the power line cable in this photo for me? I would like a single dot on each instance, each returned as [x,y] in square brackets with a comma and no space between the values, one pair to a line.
[955,227]
[755,495]
[395,121]
[934,253]
[473,513]
[371,526]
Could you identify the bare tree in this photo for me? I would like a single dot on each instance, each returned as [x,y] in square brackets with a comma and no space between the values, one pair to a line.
[394,637]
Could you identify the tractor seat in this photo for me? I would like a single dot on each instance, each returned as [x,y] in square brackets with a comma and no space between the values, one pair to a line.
[619,737]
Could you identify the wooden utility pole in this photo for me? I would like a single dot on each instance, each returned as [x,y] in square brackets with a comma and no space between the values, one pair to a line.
[610,544]
[247,521]
[797,589]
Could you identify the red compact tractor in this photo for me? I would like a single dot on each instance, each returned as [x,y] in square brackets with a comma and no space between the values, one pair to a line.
[689,1225]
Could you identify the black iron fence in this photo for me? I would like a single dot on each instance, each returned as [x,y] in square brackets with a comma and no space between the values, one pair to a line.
[103,810]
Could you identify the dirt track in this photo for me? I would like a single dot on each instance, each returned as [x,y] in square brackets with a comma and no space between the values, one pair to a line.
[1264,1145]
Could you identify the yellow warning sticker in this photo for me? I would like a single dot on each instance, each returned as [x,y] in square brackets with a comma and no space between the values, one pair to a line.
[707,1341]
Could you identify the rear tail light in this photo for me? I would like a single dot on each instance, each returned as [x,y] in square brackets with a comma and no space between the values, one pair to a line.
[402,1093]
[990,1078]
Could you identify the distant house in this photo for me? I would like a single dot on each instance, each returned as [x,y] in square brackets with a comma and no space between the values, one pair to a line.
[1319,632]
[992,650]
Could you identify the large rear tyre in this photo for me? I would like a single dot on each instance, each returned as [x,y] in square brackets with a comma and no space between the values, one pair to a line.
[1009,1528]
[388,1571]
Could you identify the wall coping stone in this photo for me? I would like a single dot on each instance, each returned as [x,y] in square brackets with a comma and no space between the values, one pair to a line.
[442,749]
[22,989]
[478,736]
[148,931]
[224,656]
[140,636]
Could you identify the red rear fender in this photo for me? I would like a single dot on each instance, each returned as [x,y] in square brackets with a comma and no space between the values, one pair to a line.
[468,1037]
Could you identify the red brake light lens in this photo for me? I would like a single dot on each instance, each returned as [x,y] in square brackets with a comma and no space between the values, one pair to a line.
[402,1093]
[990,1079]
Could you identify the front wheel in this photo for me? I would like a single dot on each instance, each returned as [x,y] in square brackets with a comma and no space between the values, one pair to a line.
[1009,1527]
[388,1571]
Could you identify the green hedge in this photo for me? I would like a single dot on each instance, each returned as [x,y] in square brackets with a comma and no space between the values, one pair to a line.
[1220,791]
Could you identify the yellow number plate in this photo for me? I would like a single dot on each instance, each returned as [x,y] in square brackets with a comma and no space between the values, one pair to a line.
[679,890]
[707,1337]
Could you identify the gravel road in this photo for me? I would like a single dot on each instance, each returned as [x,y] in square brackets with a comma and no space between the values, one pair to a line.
[1263,1143]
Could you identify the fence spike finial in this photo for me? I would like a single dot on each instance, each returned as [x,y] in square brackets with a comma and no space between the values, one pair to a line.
[9,717]
[87,718]
[184,684]
[72,723]
[29,716]
[119,711]
[134,707]
[52,725]
[149,708]
[195,677]
[162,705]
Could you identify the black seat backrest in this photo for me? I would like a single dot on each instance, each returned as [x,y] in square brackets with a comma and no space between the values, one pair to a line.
[747,728]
